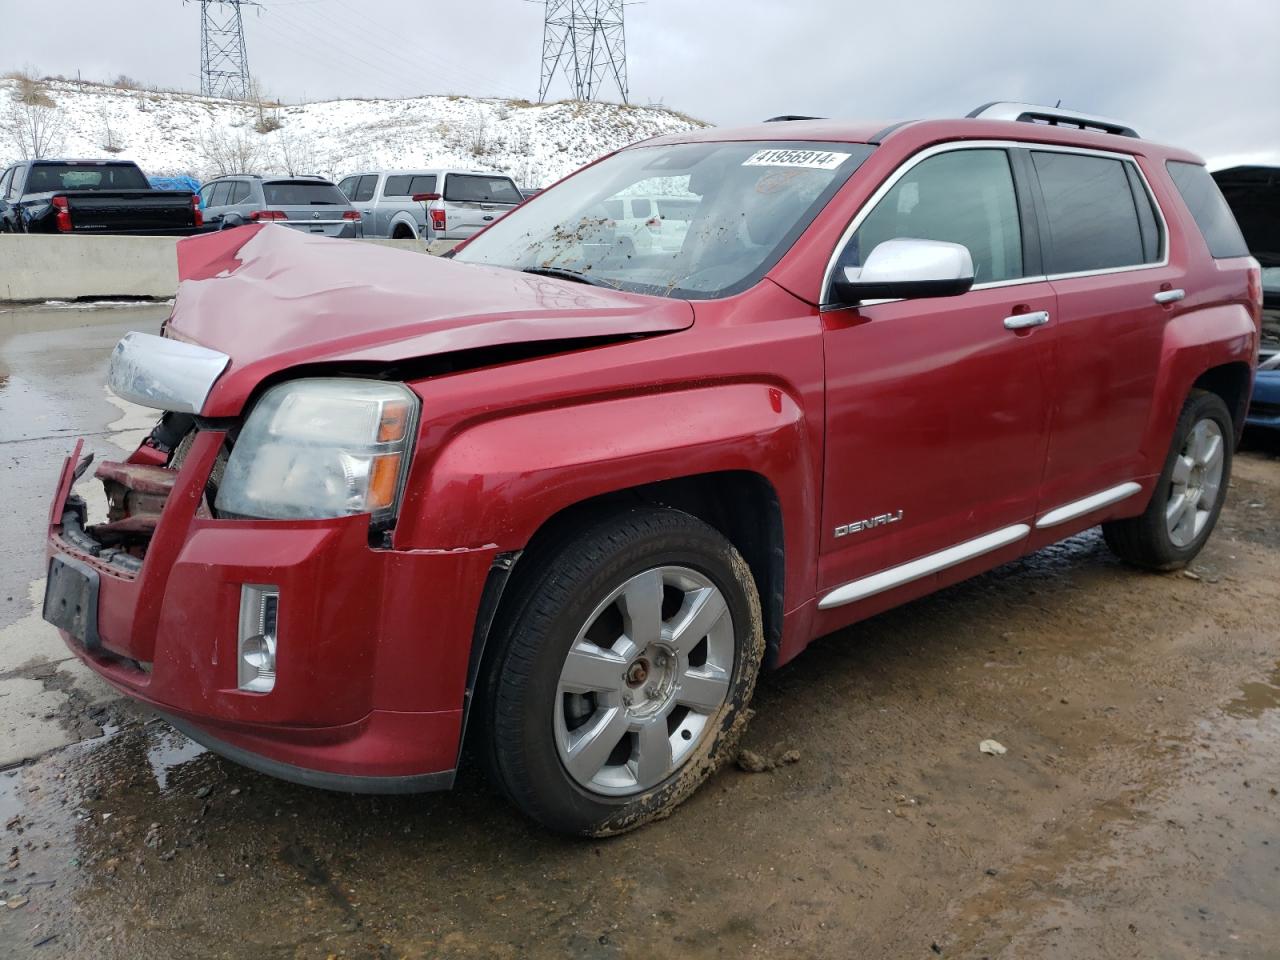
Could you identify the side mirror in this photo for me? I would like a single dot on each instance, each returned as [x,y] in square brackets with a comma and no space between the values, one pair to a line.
[426,197]
[906,269]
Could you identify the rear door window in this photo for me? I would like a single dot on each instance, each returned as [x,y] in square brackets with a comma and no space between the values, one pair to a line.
[1092,214]
[218,194]
[365,188]
[397,186]
[1208,209]
[475,188]
[239,192]
[961,196]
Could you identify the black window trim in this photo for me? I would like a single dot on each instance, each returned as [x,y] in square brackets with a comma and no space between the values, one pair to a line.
[1027,187]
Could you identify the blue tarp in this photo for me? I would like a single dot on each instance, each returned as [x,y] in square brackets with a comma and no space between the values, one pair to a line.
[187,184]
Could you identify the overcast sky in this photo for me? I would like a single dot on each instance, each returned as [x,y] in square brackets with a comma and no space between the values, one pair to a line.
[1200,73]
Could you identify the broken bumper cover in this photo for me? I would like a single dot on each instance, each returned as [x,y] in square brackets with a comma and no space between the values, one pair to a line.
[372,652]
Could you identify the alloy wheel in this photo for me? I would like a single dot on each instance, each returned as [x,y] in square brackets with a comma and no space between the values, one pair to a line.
[1196,482]
[642,680]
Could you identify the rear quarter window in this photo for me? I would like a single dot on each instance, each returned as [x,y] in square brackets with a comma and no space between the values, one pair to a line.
[1092,213]
[473,188]
[1209,210]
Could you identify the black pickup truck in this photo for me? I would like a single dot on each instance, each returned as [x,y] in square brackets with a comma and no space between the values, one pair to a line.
[92,196]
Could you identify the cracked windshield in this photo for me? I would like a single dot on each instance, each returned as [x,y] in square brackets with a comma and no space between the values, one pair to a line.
[691,220]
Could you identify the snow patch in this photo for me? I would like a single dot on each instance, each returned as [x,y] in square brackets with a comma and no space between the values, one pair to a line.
[169,133]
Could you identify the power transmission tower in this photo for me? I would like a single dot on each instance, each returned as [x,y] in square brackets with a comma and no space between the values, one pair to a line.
[224,62]
[587,39]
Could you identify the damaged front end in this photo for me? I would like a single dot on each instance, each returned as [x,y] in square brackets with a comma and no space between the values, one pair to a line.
[137,492]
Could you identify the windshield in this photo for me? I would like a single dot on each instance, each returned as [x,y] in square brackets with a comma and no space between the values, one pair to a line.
[716,216]
[85,176]
[303,193]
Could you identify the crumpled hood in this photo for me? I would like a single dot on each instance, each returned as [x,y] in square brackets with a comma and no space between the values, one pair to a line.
[270,298]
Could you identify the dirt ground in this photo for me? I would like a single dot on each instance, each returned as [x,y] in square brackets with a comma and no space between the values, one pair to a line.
[1135,813]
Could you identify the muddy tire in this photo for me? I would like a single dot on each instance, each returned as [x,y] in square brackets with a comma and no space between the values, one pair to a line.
[1189,494]
[623,662]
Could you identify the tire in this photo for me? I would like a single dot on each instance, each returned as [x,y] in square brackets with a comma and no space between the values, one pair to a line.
[1196,474]
[588,732]
[401,232]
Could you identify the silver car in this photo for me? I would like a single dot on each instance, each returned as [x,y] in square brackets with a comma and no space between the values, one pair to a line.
[451,204]
[385,199]
[310,204]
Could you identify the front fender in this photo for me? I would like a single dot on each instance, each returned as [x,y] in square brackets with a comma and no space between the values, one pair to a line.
[496,482]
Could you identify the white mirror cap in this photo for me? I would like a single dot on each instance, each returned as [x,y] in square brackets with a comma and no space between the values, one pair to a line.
[910,260]
[164,374]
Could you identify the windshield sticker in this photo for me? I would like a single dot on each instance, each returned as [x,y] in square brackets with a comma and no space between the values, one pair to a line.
[812,159]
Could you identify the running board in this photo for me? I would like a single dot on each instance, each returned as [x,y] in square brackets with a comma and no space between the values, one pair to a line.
[922,567]
[1078,508]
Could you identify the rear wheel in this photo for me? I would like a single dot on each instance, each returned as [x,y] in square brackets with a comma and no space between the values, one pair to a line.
[402,232]
[622,671]
[1189,494]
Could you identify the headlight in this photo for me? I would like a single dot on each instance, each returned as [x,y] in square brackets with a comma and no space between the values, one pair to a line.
[322,448]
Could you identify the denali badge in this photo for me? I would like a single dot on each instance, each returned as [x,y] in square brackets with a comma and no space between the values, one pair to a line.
[879,520]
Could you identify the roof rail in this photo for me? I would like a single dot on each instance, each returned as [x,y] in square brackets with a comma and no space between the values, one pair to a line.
[1032,113]
[791,116]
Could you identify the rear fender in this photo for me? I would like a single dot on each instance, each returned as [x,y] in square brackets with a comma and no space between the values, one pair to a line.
[407,220]
[495,483]
[1194,341]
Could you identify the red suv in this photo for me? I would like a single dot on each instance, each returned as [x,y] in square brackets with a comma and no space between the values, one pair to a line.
[567,496]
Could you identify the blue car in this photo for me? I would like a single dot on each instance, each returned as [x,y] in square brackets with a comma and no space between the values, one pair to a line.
[1264,409]
[1253,192]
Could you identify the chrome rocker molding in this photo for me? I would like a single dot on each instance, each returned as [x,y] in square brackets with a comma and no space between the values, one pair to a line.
[164,374]
[922,566]
[1078,508]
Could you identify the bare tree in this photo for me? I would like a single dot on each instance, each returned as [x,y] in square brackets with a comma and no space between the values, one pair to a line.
[111,142]
[268,110]
[296,153]
[478,136]
[32,130]
[226,152]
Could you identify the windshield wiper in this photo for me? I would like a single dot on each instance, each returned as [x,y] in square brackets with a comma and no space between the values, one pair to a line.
[564,273]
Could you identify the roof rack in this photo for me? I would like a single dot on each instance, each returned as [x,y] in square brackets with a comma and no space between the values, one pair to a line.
[791,116]
[1055,116]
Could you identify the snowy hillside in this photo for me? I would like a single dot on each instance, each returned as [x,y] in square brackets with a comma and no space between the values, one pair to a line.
[174,133]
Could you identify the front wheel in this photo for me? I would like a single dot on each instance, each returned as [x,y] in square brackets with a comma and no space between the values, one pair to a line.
[1189,494]
[623,667]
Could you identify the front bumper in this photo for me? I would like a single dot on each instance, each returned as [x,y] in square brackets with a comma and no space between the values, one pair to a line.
[1264,408]
[373,645]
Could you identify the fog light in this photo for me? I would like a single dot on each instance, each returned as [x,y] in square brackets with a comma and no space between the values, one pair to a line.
[256,651]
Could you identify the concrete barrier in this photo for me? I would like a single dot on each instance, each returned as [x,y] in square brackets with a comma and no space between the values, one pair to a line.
[39,267]
[35,267]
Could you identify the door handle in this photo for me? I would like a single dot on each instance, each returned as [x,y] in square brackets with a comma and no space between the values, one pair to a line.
[1170,296]
[1024,321]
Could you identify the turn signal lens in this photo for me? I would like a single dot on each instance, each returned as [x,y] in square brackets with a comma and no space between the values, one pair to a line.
[384,478]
